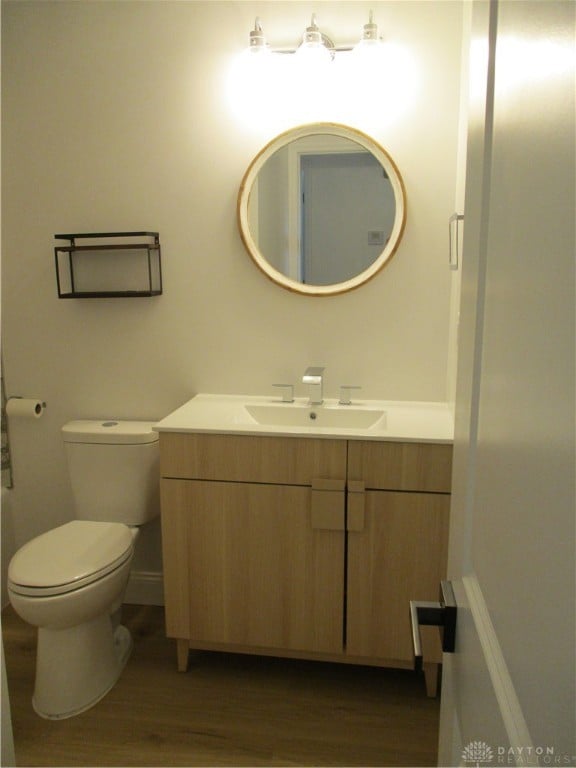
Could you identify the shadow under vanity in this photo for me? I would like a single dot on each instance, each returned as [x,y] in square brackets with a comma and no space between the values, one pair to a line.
[306,541]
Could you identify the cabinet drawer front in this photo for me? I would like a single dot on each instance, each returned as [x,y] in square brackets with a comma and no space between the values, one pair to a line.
[246,458]
[401,466]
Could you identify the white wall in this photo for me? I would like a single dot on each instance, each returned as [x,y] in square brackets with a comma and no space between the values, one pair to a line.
[115,118]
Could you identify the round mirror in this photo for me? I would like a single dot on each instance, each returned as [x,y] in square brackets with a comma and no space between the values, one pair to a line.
[321,209]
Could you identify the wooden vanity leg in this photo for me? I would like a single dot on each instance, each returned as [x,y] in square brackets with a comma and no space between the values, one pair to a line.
[182,648]
[432,678]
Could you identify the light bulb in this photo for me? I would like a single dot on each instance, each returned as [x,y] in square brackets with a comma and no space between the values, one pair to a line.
[369,42]
[258,45]
[312,50]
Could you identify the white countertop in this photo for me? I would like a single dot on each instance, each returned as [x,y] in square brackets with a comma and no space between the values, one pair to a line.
[430,422]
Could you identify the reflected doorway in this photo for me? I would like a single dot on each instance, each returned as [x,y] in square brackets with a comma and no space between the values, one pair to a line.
[334,247]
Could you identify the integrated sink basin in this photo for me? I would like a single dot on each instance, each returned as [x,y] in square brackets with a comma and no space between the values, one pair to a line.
[362,420]
[289,415]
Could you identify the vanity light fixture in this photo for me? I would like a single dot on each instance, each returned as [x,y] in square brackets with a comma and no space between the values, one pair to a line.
[369,42]
[258,44]
[315,45]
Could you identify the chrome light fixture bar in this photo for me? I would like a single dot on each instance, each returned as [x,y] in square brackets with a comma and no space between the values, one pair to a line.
[314,39]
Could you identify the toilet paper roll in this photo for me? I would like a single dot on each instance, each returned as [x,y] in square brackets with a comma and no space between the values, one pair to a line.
[25,407]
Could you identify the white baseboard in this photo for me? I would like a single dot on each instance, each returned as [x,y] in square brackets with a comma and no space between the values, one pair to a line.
[145,588]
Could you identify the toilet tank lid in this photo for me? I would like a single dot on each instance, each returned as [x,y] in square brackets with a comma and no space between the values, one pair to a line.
[109,431]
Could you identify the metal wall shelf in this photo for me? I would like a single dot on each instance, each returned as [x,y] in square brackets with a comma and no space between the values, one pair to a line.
[108,265]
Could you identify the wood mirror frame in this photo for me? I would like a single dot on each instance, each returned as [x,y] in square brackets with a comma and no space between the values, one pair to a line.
[366,143]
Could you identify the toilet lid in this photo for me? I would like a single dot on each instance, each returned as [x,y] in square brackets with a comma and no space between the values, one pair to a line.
[70,556]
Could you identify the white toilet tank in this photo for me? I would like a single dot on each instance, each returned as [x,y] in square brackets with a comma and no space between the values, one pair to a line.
[114,469]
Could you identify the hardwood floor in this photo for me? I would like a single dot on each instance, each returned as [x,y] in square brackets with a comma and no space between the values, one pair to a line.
[228,710]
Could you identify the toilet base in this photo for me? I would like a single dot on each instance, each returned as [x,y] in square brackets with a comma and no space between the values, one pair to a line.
[77,666]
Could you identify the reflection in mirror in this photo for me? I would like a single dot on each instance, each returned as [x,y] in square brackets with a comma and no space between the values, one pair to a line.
[321,209]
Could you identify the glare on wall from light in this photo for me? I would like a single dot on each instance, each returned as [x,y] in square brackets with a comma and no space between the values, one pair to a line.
[519,62]
[371,84]
[524,61]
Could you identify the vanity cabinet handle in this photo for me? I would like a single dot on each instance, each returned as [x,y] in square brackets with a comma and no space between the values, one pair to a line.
[356,505]
[327,504]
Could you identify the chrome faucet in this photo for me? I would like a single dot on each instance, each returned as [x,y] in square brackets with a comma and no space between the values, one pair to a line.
[313,376]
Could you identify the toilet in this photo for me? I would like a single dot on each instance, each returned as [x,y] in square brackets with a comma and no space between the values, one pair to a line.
[70,582]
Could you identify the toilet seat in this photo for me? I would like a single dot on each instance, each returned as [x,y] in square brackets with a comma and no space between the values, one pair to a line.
[69,557]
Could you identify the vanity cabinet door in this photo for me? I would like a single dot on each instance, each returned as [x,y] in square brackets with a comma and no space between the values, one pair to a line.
[397,555]
[257,574]
[398,519]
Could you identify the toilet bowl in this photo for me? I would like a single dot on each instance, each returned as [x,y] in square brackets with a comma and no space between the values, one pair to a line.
[68,583]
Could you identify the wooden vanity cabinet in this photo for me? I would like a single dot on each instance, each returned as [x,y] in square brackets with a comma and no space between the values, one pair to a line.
[302,546]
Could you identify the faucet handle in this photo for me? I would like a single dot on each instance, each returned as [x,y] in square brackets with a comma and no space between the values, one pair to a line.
[288,394]
[345,390]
